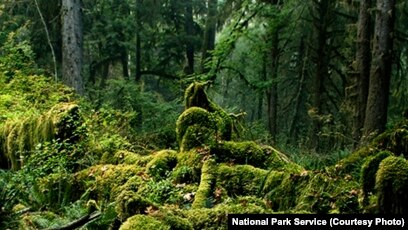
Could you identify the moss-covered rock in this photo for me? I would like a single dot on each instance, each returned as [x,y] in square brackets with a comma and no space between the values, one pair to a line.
[204,195]
[392,186]
[162,163]
[369,171]
[142,222]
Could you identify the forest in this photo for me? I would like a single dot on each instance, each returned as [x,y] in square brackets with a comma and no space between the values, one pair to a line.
[172,114]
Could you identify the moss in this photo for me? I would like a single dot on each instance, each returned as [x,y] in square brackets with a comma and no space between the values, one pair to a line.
[394,139]
[162,163]
[57,190]
[217,217]
[369,171]
[174,221]
[21,136]
[142,222]
[240,179]
[392,186]
[313,192]
[100,180]
[201,121]
[128,203]
[193,160]
[183,174]
[125,157]
[203,197]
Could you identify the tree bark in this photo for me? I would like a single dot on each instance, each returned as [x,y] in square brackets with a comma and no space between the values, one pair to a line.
[363,59]
[321,23]
[72,40]
[189,28]
[209,33]
[138,70]
[272,94]
[380,73]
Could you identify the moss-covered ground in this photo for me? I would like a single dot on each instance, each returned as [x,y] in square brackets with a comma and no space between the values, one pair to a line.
[62,161]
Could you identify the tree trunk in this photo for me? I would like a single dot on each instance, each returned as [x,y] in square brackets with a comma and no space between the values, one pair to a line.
[272,93]
[380,73]
[363,58]
[209,33]
[72,40]
[321,24]
[189,27]
[138,71]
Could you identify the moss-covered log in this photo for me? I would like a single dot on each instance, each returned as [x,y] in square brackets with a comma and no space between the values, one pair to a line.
[369,171]
[204,195]
[392,186]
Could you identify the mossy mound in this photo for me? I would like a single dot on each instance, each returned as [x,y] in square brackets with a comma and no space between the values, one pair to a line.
[126,157]
[394,140]
[20,137]
[162,163]
[142,222]
[392,186]
[128,204]
[100,181]
[369,171]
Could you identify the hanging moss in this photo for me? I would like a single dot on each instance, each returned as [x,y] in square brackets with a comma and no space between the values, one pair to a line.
[369,171]
[22,135]
[142,222]
[204,195]
[162,163]
[392,186]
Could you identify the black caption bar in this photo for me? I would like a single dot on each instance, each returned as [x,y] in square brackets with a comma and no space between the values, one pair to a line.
[315,221]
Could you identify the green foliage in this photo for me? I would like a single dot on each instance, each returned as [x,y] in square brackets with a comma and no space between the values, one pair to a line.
[161,192]
[17,56]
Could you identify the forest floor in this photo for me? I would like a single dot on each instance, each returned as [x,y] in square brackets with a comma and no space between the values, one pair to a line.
[67,165]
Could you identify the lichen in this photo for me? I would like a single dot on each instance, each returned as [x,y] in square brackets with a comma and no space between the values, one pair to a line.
[392,186]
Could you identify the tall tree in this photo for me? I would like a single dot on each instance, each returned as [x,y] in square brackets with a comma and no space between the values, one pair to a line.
[209,32]
[380,73]
[363,60]
[189,28]
[72,39]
